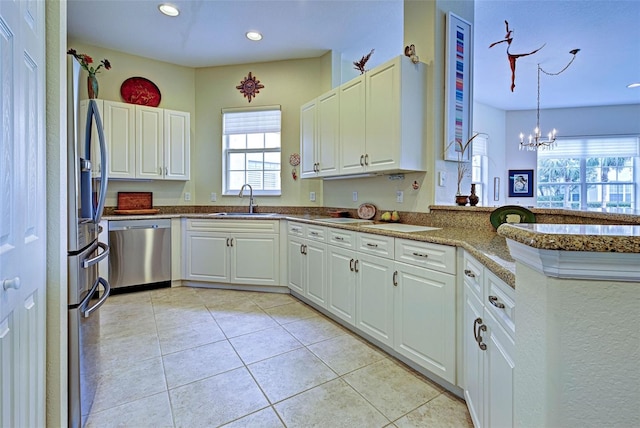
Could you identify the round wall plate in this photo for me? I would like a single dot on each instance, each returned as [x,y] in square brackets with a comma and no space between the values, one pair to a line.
[140,91]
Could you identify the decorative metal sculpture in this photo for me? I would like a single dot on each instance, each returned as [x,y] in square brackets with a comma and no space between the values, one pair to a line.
[512,57]
[249,87]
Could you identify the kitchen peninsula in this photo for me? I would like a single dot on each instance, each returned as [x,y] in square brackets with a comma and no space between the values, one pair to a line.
[578,345]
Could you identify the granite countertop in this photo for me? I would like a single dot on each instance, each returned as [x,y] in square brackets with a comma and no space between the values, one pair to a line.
[486,246]
[575,237]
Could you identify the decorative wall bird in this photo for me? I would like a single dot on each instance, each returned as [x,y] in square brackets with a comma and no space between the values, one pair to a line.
[410,51]
[359,65]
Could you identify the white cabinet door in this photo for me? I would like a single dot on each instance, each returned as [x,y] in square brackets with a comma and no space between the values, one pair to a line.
[207,257]
[341,279]
[255,259]
[382,116]
[473,355]
[352,126]
[425,318]
[374,297]
[498,375]
[177,145]
[296,265]
[315,272]
[308,136]
[149,142]
[119,131]
[328,133]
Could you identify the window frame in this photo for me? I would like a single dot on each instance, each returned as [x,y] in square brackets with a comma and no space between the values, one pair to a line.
[591,147]
[228,152]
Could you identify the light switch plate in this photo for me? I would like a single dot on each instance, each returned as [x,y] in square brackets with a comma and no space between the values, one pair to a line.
[312,196]
[214,196]
[187,196]
[355,196]
[399,196]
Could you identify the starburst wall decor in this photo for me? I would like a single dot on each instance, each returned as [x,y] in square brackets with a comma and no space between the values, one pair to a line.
[249,87]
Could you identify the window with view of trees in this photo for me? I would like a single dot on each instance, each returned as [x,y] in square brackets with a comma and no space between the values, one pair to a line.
[589,172]
[251,150]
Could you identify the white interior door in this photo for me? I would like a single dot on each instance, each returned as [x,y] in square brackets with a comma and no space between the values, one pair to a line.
[22,214]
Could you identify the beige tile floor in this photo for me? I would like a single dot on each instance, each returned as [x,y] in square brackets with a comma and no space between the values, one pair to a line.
[191,357]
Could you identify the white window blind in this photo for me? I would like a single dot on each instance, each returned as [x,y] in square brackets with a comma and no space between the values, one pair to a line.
[240,121]
[583,147]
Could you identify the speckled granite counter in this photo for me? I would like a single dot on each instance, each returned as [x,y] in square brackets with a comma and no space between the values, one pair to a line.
[575,237]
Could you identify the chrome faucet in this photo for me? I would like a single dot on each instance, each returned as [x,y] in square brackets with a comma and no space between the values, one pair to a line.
[241,194]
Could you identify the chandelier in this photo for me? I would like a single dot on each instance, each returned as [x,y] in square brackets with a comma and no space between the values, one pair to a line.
[536,139]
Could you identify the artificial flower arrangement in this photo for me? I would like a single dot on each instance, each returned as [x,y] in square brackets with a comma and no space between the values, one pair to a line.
[86,61]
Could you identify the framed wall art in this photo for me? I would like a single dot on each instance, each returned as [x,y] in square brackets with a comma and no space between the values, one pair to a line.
[521,183]
[458,86]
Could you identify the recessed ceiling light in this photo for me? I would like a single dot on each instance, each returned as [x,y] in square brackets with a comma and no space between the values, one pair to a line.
[169,9]
[634,85]
[254,35]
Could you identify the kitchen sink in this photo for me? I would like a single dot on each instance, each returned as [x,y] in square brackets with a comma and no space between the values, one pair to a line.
[243,214]
[343,220]
[401,227]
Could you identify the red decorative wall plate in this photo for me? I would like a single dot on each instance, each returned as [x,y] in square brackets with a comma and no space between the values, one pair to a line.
[141,91]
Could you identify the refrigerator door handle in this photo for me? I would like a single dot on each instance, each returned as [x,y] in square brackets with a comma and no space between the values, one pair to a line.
[103,162]
[107,291]
[105,252]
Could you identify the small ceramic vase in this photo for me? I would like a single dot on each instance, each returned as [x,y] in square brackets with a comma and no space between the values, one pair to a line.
[462,200]
[473,198]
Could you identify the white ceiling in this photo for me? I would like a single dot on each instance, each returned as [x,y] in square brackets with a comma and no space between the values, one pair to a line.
[211,33]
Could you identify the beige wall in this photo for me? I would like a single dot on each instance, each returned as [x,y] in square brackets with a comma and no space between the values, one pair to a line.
[288,84]
[177,89]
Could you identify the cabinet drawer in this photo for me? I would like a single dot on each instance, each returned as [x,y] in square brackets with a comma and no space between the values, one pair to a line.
[473,274]
[295,229]
[379,245]
[234,226]
[441,258]
[316,233]
[342,238]
[500,301]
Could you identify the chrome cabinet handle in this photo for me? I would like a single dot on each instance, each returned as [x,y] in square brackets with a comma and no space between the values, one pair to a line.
[232,242]
[295,229]
[469,273]
[227,242]
[301,248]
[361,160]
[395,278]
[494,301]
[11,283]
[304,250]
[366,159]
[338,238]
[166,171]
[314,233]
[355,265]
[369,244]
[351,265]
[160,170]
[478,336]
[420,255]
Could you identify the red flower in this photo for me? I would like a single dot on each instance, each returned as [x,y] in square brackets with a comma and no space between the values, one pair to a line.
[85,61]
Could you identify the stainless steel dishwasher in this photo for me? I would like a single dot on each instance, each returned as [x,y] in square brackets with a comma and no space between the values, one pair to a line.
[140,254]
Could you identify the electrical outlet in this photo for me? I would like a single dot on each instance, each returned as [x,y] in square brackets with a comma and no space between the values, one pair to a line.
[355,196]
[187,196]
[214,196]
[442,177]
[399,196]
[312,196]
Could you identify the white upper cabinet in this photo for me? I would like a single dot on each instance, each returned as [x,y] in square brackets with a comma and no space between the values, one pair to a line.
[319,136]
[144,142]
[380,122]
[177,146]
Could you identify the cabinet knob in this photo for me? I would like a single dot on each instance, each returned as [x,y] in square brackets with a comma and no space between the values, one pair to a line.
[469,273]
[11,283]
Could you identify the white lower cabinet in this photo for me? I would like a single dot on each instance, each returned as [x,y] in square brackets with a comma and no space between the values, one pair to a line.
[307,261]
[341,281]
[232,251]
[488,346]
[374,297]
[425,318]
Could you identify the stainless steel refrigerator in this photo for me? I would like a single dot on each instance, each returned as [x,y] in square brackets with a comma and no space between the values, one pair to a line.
[87,291]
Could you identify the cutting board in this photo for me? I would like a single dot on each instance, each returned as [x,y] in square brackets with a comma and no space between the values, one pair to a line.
[135,203]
